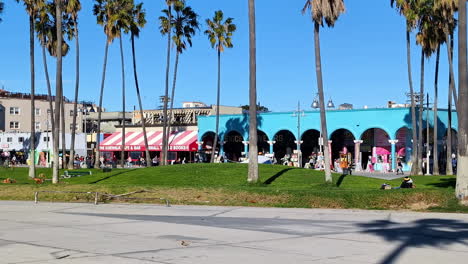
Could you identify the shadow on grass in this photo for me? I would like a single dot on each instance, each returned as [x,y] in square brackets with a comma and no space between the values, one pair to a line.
[340,180]
[417,234]
[445,183]
[113,175]
[276,176]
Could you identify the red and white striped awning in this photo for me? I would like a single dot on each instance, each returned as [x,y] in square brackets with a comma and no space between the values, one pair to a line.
[134,141]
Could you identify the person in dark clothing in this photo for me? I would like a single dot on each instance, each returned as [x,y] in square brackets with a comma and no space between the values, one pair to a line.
[407,183]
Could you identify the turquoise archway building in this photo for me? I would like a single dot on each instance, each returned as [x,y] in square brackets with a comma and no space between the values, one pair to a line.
[357,122]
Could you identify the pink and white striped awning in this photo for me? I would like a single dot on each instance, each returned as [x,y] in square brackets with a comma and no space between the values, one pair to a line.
[134,141]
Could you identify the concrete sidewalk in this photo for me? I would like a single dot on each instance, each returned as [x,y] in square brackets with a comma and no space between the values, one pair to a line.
[120,233]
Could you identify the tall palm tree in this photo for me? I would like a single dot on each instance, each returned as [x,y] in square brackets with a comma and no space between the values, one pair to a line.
[252,175]
[32,7]
[166,29]
[408,8]
[108,14]
[220,36]
[73,7]
[184,25]
[58,88]
[461,189]
[123,20]
[139,21]
[447,9]
[323,12]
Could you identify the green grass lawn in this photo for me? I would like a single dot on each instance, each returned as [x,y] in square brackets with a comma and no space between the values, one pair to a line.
[225,184]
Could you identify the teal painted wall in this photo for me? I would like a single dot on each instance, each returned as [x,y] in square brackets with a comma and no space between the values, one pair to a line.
[356,121]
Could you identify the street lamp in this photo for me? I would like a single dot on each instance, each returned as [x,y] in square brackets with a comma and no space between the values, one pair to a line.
[330,104]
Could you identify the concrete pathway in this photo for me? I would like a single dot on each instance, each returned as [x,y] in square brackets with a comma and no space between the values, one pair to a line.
[380,175]
[119,233]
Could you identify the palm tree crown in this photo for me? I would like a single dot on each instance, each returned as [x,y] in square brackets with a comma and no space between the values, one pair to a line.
[1,9]
[325,10]
[219,32]
[46,28]
[138,20]
[183,23]
[114,16]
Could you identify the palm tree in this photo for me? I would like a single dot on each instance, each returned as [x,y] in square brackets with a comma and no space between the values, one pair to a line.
[139,21]
[165,29]
[108,14]
[323,12]
[184,25]
[408,8]
[252,175]
[58,88]
[73,7]
[220,35]
[32,7]
[447,9]
[461,189]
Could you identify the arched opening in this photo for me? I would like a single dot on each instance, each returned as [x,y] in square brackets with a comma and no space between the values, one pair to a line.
[376,149]
[207,146]
[403,136]
[262,142]
[233,146]
[342,143]
[310,144]
[284,144]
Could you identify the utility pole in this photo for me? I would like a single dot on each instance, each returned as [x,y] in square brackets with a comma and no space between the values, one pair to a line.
[428,147]
[298,142]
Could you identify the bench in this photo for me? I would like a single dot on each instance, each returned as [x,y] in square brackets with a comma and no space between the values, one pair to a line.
[69,174]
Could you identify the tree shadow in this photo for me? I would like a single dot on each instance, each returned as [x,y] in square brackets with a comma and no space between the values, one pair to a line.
[419,233]
[111,176]
[240,124]
[445,183]
[341,179]
[276,176]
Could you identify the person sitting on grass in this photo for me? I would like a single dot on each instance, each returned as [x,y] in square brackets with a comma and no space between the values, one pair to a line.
[407,183]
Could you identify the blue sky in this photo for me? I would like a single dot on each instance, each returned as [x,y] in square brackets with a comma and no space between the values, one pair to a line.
[363,56]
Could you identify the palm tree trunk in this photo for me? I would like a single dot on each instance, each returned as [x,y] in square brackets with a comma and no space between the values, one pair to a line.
[143,121]
[32,147]
[461,189]
[64,143]
[454,90]
[323,118]
[449,168]
[71,163]
[122,160]
[436,94]
[414,167]
[218,99]
[49,91]
[253,153]
[420,118]
[58,90]
[170,117]
[101,95]
[166,93]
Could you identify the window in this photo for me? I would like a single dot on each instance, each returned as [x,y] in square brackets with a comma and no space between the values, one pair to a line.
[37,111]
[37,125]
[46,139]
[14,125]
[9,139]
[72,113]
[21,139]
[14,111]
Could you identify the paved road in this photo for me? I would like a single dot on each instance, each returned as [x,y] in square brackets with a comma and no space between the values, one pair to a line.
[84,233]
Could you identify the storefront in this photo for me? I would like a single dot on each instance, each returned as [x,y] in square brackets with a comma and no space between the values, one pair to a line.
[182,145]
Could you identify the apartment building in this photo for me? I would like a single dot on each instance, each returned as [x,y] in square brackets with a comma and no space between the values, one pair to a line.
[15,113]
